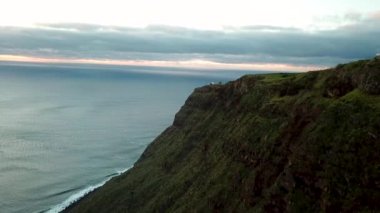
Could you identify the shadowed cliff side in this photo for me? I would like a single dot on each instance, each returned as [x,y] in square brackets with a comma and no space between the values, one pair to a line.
[305,142]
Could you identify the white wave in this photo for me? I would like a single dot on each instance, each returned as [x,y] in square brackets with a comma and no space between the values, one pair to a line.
[78,195]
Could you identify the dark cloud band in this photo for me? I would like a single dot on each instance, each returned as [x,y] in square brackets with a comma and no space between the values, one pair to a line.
[250,44]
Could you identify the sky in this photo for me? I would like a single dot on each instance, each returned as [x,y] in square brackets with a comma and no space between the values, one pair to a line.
[293,35]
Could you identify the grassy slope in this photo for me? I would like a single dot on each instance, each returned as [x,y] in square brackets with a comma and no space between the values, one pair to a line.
[282,142]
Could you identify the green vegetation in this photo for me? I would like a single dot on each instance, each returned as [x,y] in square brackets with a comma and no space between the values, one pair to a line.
[305,142]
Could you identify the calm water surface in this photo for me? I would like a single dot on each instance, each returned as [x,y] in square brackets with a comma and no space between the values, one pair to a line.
[63,129]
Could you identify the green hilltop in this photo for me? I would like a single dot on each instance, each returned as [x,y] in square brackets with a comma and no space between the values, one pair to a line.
[307,142]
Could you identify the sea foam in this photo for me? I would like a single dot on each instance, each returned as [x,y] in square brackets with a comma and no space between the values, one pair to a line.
[78,195]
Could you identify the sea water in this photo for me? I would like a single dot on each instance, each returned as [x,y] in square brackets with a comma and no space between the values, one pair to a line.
[65,130]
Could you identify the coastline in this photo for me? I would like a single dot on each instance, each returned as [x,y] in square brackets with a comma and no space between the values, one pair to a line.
[74,198]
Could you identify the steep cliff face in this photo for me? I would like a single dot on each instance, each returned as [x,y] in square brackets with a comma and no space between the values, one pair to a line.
[269,143]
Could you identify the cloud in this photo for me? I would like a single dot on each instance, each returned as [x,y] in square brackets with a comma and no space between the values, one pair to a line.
[250,44]
[353,16]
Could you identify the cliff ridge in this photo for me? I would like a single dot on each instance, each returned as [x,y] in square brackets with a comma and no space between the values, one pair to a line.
[306,142]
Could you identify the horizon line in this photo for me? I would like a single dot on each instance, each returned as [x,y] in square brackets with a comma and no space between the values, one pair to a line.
[198,64]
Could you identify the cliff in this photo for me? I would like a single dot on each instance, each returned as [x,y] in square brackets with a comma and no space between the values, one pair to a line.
[306,142]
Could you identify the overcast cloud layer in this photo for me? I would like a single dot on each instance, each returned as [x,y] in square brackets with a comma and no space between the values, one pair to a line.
[251,44]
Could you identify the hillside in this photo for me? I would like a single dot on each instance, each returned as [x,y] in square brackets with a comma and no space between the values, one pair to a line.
[306,142]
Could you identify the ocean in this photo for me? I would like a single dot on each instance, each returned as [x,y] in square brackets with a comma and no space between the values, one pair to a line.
[66,129]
